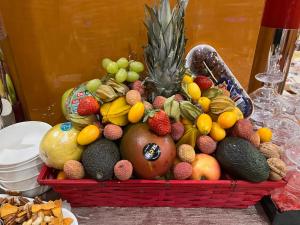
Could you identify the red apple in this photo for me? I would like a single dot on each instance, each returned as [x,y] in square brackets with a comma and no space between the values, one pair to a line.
[205,167]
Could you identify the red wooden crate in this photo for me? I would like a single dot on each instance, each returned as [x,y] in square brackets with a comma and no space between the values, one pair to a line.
[150,193]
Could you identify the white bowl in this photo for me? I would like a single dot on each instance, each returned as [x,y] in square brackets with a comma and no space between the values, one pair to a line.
[22,166]
[20,142]
[20,185]
[20,174]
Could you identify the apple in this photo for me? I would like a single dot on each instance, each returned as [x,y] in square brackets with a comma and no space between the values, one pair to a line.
[205,167]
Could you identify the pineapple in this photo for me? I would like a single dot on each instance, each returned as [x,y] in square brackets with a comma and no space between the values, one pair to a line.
[164,53]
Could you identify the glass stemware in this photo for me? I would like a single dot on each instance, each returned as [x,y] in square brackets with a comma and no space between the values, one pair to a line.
[265,99]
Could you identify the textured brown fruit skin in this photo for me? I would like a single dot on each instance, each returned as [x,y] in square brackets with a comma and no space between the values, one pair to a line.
[183,171]
[132,145]
[255,139]
[206,144]
[270,150]
[178,97]
[243,129]
[278,169]
[112,132]
[133,96]
[123,170]
[73,169]
[159,102]
[186,153]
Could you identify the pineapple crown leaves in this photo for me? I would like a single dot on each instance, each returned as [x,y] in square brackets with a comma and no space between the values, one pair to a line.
[164,54]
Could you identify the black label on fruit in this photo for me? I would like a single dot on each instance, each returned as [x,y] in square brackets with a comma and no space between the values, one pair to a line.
[151,151]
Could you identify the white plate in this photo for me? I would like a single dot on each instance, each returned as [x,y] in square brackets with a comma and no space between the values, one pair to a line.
[66,213]
[23,166]
[20,185]
[20,174]
[20,142]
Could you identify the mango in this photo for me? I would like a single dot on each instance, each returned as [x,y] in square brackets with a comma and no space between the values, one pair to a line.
[88,135]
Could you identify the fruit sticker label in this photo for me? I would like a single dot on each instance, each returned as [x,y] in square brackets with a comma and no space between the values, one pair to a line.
[151,151]
[66,126]
[74,98]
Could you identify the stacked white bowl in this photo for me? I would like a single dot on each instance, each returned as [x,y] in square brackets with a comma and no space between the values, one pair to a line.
[19,157]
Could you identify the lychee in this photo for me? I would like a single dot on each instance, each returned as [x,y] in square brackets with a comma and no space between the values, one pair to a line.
[147,105]
[123,170]
[182,171]
[112,132]
[243,129]
[177,130]
[73,169]
[138,86]
[206,144]
[186,153]
[178,97]
[159,102]
[133,97]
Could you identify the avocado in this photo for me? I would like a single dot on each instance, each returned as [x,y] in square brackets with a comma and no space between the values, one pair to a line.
[240,158]
[99,159]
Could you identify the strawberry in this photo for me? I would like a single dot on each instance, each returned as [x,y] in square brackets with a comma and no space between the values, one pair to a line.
[87,106]
[203,82]
[159,122]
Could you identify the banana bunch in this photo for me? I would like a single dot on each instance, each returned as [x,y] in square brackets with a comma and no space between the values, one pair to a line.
[115,112]
[81,121]
[190,136]
[171,107]
[189,111]
[221,104]
[110,90]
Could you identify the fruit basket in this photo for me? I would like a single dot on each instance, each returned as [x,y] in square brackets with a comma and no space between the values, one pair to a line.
[166,137]
[159,193]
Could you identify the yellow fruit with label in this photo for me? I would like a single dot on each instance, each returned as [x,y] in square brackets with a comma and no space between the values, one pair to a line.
[194,91]
[204,102]
[238,113]
[88,135]
[204,123]
[227,119]
[265,134]
[187,79]
[217,133]
[136,112]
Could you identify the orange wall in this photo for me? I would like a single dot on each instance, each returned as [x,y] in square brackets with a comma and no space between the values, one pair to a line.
[59,43]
